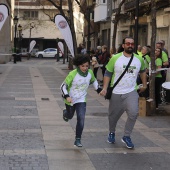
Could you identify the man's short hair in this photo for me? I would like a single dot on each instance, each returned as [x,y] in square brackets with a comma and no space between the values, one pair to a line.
[163,42]
[127,38]
[99,47]
[159,42]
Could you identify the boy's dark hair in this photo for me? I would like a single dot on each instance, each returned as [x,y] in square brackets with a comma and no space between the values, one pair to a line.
[81,60]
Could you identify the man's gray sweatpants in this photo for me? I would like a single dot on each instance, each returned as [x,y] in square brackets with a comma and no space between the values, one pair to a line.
[119,103]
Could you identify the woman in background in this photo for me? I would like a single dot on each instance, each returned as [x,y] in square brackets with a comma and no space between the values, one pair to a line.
[158,77]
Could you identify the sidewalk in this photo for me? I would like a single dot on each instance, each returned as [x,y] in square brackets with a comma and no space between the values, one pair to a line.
[33,134]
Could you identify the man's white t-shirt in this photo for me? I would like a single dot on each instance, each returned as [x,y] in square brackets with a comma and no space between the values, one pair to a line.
[117,65]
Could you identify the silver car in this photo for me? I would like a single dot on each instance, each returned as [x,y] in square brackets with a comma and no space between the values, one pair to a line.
[49,52]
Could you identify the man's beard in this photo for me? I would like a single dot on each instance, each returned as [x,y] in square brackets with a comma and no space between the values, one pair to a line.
[129,50]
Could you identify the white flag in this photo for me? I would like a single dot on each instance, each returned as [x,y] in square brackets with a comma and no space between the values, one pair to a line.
[4,12]
[32,44]
[64,27]
[60,44]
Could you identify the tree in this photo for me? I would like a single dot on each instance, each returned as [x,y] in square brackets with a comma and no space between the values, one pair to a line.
[153,67]
[116,20]
[84,11]
[59,6]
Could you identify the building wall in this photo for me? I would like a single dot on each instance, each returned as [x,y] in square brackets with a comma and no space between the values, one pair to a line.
[5,35]
[126,27]
[78,23]
[44,26]
[105,34]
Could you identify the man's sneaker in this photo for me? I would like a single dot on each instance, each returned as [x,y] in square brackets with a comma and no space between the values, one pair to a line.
[64,117]
[78,142]
[128,142]
[111,138]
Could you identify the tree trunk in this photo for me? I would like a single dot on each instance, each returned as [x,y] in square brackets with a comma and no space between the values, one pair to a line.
[114,36]
[153,67]
[70,6]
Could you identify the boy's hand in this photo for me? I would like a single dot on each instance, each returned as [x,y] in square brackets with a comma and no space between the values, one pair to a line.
[99,90]
[69,99]
[103,92]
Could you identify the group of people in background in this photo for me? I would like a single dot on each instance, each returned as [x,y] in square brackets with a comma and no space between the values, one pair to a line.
[101,57]
[161,61]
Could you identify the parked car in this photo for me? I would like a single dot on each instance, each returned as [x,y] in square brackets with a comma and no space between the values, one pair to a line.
[49,52]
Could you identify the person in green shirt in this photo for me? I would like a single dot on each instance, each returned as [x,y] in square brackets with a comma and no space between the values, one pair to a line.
[165,61]
[74,91]
[158,77]
[139,50]
[146,57]
[164,55]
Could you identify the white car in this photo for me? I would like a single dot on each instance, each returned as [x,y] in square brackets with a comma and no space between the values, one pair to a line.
[49,52]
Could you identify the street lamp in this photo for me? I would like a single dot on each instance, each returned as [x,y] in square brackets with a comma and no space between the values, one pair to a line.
[15,35]
[88,23]
[58,57]
[20,36]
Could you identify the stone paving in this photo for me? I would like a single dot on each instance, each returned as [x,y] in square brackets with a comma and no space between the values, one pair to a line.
[33,135]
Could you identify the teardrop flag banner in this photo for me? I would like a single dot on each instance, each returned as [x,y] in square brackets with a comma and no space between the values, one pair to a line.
[4,13]
[32,44]
[64,28]
[60,44]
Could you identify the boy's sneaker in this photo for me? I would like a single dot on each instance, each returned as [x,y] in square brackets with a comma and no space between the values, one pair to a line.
[128,142]
[111,138]
[64,117]
[78,142]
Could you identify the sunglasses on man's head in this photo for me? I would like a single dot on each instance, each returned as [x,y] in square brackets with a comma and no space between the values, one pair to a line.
[128,44]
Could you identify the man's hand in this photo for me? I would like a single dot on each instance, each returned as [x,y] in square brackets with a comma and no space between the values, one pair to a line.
[103,92]
[142,89]
[69,99]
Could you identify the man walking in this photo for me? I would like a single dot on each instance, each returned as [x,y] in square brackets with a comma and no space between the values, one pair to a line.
[124,95]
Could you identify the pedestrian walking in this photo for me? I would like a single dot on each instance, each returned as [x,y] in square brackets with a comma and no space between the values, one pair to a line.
[124,96]
[79,49]
[104,58]
[95,63]
[74,89]
[83,50]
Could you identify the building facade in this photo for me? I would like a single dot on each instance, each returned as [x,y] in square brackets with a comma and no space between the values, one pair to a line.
[37,20]
[104,14]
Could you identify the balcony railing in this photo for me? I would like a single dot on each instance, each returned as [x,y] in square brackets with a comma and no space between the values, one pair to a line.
[132,4]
